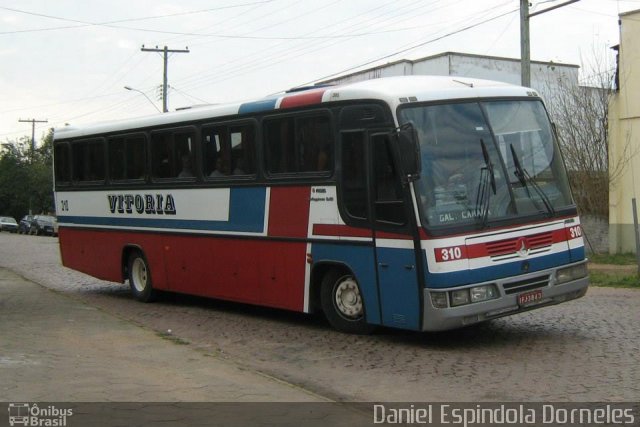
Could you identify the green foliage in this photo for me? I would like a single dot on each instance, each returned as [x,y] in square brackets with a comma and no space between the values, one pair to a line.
[616,259]
[598,278]
[26,177]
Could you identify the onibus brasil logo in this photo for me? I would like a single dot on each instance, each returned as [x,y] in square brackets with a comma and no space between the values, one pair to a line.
[26,414]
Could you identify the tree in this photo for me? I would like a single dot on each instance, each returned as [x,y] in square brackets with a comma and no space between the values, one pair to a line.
[581,113]
[26,181]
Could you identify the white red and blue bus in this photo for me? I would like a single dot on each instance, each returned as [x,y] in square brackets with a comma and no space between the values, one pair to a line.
[423,203]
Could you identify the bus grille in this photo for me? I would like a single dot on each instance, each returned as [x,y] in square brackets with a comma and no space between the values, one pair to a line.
[526,285]
[508,248]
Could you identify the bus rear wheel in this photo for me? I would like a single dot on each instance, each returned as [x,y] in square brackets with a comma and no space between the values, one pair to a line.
[140,278]
[343,304]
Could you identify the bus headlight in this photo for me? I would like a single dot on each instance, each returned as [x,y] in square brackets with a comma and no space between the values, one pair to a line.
[571,273]
[483,293]
[464,296]
[460,297]
[439,299]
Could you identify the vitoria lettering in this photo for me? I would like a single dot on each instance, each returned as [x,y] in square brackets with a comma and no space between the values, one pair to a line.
[150,204]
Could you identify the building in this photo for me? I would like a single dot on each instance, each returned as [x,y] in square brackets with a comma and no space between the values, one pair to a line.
[624,138]
[543,74]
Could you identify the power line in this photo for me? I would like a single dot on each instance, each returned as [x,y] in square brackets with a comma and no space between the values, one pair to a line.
[109,23]
[411,47]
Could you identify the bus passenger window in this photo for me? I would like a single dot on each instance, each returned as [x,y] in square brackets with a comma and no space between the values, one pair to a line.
[242,150]
[214,161]
[88,161]
[172,154]
[161,155]
[127,158]
[62,164]
[354,175]
[389,205]
[299,144]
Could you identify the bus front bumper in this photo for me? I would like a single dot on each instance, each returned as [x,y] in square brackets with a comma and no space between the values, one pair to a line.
[440,319]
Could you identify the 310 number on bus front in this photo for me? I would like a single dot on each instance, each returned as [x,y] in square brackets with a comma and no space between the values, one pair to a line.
[452,253]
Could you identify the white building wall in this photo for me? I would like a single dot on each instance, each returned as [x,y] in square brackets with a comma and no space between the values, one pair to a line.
[544,75]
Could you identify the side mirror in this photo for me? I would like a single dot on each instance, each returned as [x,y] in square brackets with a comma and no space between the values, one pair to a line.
[409,150]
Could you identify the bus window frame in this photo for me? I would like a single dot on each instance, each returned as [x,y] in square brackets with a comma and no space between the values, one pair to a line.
[297,115]
[173,130]
[69,181]
[90,140]
[227,124]
[120,182]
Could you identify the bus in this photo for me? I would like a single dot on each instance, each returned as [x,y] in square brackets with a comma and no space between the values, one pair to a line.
[423,203]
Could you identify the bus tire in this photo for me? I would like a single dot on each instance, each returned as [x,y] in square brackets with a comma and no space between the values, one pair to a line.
[140,278]
[343,304]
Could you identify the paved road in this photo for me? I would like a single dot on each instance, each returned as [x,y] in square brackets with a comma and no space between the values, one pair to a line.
[58,348]
[585,350]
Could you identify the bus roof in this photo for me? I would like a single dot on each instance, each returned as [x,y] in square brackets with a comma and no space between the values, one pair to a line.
[392,90]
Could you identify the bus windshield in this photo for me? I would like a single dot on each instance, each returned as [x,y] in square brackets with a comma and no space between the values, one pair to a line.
[487,161]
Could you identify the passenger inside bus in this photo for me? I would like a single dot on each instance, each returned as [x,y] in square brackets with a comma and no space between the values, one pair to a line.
[187,171]
[222,169]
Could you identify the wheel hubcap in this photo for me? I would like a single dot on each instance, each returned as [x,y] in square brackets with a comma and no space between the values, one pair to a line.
[139,274]
[348,299]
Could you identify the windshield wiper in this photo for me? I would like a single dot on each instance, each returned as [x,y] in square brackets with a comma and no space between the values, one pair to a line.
[483,196]
[524,178]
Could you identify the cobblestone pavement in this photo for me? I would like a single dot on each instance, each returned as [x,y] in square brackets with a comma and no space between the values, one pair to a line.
[584,350]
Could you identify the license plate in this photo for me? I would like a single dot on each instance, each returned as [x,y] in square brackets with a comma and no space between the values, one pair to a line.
[530,298]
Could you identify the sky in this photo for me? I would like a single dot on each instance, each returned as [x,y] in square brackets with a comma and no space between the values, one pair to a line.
[68,61]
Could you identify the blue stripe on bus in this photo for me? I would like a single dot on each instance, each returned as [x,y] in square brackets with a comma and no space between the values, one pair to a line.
[578,254]
[361,261]
[258,106]
[477,275]
[246,214]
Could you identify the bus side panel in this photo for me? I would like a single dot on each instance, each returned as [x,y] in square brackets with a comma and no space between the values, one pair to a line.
[99,253]
[245,270]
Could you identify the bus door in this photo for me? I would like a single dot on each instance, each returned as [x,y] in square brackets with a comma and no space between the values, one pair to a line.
[395,253]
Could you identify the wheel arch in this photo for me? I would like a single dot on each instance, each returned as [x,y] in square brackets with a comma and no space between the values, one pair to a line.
[318,272]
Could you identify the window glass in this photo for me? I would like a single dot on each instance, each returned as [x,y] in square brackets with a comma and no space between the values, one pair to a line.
[297,145]
[88,161]
[62,163]
[127,158]
[242,139]
[354,178]
[172,154]
[228,150]
[389,207]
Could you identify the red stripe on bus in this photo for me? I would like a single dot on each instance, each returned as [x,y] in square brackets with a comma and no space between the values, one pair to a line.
[337,230]
[289,211]
[499,247]
[302,99]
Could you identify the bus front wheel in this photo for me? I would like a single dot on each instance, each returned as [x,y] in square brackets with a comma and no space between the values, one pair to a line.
[343,304]
[140,278]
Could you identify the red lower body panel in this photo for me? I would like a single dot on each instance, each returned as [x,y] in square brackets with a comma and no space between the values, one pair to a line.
[256,271]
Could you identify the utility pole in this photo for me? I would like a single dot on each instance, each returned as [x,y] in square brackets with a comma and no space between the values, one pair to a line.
[165,85]
[525,45]
[525,49]
[33,130]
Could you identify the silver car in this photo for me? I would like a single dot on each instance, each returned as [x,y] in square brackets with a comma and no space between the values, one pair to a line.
[9,224]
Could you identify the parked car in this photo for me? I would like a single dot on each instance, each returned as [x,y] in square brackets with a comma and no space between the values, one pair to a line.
[43,224]
[9,224]
[25,224]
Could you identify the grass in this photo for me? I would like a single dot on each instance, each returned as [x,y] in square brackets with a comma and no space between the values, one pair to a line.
[613,280]
[617,259]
